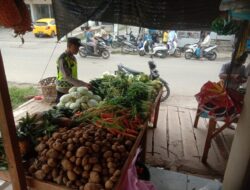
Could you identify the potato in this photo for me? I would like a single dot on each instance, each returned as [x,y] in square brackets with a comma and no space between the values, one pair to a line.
[95,147]
[46,168]
[75,140]
[81,187]
[107,154]
[85,160]
[57,146]
[128,143]
[97,168]
[56,135]
[109,184]
[111,165]
[51,162]
[121,148]
[72,159]
[78,183]
[69,184]
[39,174]
[92,186]
[117,173]
[77,170]
[114,179]
[93,160]
[81,151]
[117,155]
[66,164]
[52,153]
[88,144]
[85,174]
[81,140]
[70,141]
[65,180]
[114,147]
[68,154]
[87,167]
[44,152]
[94,177]
[78,161]
[32,169]
[70,147]
[71,175]
[40,147]
[109,136]
[54,173]
[45,138]
[110,159]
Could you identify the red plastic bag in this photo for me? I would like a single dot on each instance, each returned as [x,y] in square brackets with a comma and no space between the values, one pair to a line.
[132,182]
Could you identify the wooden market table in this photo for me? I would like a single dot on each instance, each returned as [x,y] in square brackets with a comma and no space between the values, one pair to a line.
[16,173]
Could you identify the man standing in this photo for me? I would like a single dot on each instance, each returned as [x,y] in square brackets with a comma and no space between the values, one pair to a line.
[165,37]
[237,75]
[205,43]
[67,69]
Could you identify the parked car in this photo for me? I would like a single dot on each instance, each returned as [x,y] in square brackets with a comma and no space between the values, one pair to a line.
[44,27]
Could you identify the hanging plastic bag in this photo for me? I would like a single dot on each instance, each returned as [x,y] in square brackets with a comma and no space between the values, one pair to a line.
[132,181]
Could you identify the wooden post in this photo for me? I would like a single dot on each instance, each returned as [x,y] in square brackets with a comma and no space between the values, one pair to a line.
[8,129]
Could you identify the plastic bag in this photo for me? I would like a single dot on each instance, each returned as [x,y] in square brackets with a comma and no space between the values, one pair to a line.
[132,181]
[215,185]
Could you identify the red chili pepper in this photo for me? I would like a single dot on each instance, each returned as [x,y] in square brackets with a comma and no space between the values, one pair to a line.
[131,131]
[107,115]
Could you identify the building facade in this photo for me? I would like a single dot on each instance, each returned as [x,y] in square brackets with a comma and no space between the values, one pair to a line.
[40,9]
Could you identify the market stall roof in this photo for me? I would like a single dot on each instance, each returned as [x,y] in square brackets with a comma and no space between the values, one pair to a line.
[161,14]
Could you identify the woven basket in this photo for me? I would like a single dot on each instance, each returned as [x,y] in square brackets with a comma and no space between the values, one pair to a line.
[48,87]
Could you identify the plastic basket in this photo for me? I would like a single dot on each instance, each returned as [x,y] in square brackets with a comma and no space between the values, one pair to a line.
[48,87]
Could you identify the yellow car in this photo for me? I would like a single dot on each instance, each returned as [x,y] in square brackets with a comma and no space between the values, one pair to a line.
[44,27]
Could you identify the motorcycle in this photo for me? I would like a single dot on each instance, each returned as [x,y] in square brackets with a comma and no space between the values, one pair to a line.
[118,41]
[101,48]
[154,75]
[108,41]
[149,49]
[128,47]
[194,51]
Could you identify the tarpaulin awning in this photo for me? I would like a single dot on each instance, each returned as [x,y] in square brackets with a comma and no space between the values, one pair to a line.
[161,14]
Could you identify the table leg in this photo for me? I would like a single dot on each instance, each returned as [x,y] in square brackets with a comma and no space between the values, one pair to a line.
[211,129]
[196,118]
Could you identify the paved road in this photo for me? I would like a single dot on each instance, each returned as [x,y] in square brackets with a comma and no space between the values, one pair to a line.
[26,64]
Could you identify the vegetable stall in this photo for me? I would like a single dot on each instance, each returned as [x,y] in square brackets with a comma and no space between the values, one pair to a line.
[88,140]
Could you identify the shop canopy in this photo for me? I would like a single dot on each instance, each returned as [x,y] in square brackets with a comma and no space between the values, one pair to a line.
[156,14]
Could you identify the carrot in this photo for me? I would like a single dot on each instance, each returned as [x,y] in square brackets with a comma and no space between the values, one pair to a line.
[131,131]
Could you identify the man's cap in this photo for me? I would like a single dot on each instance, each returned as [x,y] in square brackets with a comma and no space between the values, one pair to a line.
[75,41]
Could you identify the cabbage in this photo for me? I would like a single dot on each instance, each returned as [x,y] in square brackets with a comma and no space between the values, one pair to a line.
[65,98]
[79,101]
[84,99]
[76,95]
[74,106]
[72,89]
[92,103]
[97,98]
[67,105]
[84,106]
[60,105]
[82,90]
[89,94]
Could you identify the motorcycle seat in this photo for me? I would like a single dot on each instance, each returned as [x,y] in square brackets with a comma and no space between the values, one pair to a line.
[134,72]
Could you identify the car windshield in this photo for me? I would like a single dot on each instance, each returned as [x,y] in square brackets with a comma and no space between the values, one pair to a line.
[41,23]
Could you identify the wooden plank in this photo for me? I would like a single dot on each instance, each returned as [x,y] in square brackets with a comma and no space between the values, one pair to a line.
[8,130]
[190,148]
[200,135]
[174,140]
[159,141]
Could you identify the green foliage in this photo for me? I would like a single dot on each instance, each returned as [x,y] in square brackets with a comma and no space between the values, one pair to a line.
[224,27]
[19,95]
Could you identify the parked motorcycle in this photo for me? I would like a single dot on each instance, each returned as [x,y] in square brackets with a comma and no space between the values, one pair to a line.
[118,41]
[194,51]
[101,48]
[128,47]
[155,50]
[154,74]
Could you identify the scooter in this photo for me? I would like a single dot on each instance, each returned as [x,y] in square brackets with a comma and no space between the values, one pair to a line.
[173,49]
[155,50]
[194,51]
[101,48]
[154,74]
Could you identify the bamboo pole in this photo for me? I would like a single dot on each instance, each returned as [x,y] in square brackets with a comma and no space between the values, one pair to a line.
[8,130]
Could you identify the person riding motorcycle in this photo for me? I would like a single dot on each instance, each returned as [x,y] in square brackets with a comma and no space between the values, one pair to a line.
[90,39]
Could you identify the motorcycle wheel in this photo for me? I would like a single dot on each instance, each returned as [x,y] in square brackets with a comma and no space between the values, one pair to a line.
[166,90]
[115,45]
[161,54]
[141,53]
[188,55]
[125,49]
[83,52]
[212,56]
[177,52]
[105,54]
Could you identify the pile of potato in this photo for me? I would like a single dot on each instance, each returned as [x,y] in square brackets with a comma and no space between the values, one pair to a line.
[85,158]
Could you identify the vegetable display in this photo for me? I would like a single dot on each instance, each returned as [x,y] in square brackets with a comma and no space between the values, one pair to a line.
[79,99]
[81,158]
